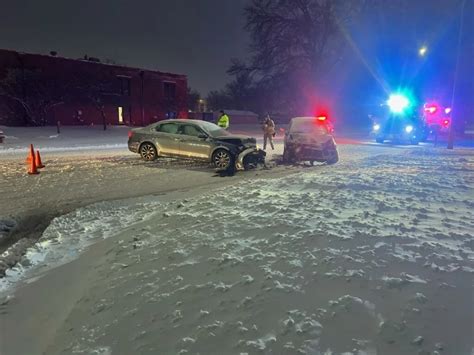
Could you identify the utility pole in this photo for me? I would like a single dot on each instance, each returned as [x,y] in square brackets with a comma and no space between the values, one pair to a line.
[451,127]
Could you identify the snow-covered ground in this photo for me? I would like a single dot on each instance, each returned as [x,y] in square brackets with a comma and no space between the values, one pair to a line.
[374,255]
[71,138]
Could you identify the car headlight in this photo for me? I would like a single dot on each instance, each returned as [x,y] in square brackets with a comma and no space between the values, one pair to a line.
[408,129]
[376,127]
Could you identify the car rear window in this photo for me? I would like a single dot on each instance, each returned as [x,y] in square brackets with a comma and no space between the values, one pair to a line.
[308,126]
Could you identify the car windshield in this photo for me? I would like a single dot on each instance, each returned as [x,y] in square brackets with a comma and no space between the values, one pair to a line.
[213,129]
[307,126]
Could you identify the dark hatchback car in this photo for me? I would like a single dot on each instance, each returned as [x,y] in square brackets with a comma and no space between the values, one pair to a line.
[196,140]
[309,139]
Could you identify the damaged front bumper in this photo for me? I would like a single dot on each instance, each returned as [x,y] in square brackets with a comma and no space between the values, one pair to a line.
[250,158]
[305,152]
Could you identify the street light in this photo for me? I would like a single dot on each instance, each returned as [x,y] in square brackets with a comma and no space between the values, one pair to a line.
[422,51]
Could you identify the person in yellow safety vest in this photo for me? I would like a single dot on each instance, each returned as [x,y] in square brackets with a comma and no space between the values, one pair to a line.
[223,120]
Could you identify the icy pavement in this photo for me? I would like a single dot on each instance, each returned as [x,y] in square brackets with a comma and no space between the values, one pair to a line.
[366,257]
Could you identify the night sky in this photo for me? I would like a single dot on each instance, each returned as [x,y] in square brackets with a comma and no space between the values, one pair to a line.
[193,37]
[200,37]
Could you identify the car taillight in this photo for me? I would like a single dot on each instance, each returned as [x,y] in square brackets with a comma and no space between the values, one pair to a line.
[130,134]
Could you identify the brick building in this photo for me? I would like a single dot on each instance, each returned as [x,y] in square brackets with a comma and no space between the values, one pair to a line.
[43,89]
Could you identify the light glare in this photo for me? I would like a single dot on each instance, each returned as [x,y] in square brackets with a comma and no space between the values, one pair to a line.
[398,103]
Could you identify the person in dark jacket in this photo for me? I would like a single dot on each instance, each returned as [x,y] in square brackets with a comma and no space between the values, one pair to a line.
[268,132]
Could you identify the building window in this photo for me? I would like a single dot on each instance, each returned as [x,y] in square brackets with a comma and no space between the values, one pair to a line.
[169,89]
[124,85]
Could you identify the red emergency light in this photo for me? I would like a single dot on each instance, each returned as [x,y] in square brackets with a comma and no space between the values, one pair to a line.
[321,118]
[446,123]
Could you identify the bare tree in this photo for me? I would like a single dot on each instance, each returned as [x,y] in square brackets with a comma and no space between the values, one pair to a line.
[242,92]
[293,43]
[193,98]
[98,91]
[218,100]
[32,95]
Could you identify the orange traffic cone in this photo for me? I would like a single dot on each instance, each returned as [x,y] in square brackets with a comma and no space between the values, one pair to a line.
[32,168]
[31,155]
[39,164]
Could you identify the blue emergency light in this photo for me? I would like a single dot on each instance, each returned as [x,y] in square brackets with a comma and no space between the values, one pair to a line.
[398,103]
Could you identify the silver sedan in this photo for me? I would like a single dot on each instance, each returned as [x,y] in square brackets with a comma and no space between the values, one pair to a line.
[197,140]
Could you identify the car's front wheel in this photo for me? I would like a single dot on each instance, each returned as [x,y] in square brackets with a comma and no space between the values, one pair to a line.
[222,159]
[148,152]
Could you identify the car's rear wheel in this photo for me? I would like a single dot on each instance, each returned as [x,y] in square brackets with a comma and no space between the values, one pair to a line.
[222,159]
[148,152]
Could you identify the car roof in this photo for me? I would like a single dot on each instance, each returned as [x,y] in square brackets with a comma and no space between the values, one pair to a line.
[307,118]
[183,120]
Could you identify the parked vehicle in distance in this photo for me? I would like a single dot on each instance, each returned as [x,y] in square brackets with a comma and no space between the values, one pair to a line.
[309,139]
[437,119]
[196,140]
[399,129]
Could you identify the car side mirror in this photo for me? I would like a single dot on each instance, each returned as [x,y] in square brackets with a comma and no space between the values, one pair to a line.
[202,136]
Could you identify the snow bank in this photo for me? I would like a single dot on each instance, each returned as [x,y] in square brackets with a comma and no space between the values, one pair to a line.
[67,236]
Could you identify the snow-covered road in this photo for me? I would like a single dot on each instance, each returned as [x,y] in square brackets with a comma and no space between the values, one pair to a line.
[372,256]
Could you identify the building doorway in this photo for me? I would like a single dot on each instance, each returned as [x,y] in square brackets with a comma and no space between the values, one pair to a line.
[120,115]
[124,115]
